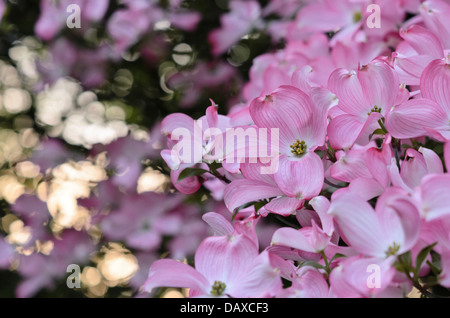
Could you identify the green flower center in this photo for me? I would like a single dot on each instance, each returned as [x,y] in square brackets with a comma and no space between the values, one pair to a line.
[298,148]
[393,249]
[357,16]
[375,109]
[218,288]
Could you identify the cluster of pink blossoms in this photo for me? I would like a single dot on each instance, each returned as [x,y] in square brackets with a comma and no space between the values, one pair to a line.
[363,121]
[361,113]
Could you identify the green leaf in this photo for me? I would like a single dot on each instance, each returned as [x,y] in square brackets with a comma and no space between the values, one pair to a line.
[337,255]
[379,131]
[191,172]
[246,205]
[421,257]
[403,263]
[213,166]
[259,205]
[435,269]
[399,267]
[430,280]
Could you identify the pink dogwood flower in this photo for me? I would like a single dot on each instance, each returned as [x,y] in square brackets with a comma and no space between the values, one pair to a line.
[415,167]
[362,277]
[349,19]
[223,227]
[431,196]
[365,97]
[391,229]
[378,235]
[227,265]
[312,239]
[271,70]
[366,169]
[419,48]
[429,115]
[302,131]
[255,186]
[308,283]
[434,14]
[197,144]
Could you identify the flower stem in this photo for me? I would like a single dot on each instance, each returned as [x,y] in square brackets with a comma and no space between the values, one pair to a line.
[383,127]
[327,264]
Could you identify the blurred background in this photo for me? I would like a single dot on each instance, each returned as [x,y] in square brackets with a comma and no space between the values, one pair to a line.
[81,178]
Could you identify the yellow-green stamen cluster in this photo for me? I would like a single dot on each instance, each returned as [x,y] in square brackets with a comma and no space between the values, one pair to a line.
[218,288]
[375,109]
[298,148]
[393,249]
[357,16]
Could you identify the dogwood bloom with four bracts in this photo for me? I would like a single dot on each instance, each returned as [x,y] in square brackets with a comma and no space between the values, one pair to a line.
[195,145]
[365,97]
[225,265]
[379,236]
[302,131]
